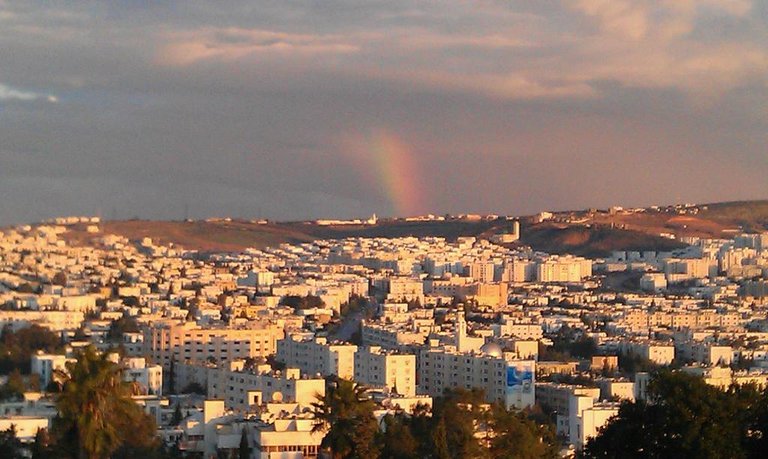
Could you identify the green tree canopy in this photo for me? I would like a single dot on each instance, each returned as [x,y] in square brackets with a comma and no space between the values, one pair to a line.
[17,347]
[346,413]
[97,417]
[685,417]
[516,436]
[397,439]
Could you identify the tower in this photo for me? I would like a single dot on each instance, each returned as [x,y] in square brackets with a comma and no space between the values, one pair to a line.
[461,328]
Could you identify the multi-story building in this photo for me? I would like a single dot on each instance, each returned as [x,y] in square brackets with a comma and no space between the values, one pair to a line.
[556,398]
[187,341]
[317,356]
[586,417]
[510,382]
[241,389]
[481,271]
[656,352]
[53,320]
[563,269]
[391,337]
[376,367]
[405,289]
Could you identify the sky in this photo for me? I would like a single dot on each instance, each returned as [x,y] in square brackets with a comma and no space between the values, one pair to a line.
[294,110]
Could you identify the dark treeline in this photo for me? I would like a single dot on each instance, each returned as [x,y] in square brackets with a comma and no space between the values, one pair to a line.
[460,425]
[685,417]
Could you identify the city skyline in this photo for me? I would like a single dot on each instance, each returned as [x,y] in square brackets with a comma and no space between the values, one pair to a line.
[294,111]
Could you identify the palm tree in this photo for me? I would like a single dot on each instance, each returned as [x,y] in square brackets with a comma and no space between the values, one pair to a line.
[345,412]
[96,413]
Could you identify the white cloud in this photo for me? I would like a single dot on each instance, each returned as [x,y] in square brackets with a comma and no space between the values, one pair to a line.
[9,93]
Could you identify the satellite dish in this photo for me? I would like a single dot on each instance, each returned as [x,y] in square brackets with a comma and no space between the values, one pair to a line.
[277,397]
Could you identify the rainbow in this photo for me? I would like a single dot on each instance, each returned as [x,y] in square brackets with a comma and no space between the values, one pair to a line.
[390,163]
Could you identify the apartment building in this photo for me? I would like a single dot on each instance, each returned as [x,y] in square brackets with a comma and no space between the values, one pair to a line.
[510,382]
[376,367]
[187,341]
[316,356]
[586,417]
[391,337]
[563,269]
[242,389]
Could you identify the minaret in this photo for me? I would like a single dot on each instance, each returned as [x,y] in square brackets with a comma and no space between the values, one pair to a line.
[461,328]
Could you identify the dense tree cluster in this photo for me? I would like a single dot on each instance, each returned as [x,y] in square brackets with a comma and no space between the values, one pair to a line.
[685,417]
[121,326]
[357,304]
[303,302]
[460,425]
[567,343]
[17,347]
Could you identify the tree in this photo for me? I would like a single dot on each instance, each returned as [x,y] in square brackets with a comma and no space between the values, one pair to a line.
[632,363]
[40,446]
[172,377]
[303,302]
[516,436]
[459,409]
[33,382]
[14,387]
[26,287]
[17,347]
[60,278]
[96,416]
[121,326]
[397,440]
[684,417]
[439,439]
[347,413]
[177,417]
[194,388]
[567,341]
[10,445]
[244,451]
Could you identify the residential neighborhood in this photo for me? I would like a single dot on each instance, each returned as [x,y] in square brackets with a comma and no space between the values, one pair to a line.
[225,346]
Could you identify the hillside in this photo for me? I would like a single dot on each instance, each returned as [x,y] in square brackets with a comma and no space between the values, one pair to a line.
[593,241]
[588,232]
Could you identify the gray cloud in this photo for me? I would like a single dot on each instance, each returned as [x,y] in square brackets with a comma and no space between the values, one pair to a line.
[244,108]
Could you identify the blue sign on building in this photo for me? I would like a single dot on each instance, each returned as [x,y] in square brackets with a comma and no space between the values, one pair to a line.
[522,378]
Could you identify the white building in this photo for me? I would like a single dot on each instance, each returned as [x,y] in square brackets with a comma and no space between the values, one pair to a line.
[503,378]
[653,282]
[317,356]
[149,378]
[44,365]
[586,417]
[376,367]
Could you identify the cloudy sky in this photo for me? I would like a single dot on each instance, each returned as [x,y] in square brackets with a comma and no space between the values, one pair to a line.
[292,109]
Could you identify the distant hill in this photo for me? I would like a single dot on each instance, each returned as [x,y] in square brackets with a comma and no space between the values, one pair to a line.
[593,241]
[585,232]
[749,215]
